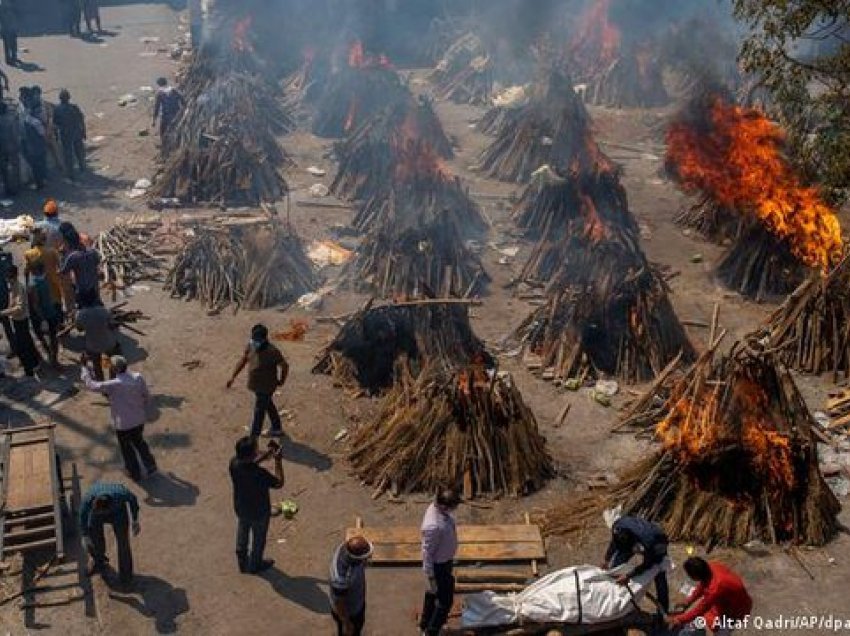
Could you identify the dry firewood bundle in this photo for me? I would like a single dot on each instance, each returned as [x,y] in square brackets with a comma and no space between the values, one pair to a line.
[428,258]
[469,428]
[376,341]
[495,119]
[711,220]
[738,460]
[761,266]
[633,80]
[552,129]
[418,198]
[131,252]
[552,202]
[222,148]
[810,331]
[618,322]
[465,73]
[383,145]
[353,95]
[246,266]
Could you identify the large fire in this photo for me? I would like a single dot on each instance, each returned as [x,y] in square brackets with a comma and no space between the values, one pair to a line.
[736,159]
[696,428]
[596,42]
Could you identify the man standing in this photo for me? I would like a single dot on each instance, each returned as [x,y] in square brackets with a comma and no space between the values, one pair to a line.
[264,362]
[439,546]
[96,322]
[10,149]
[719,599]
[54,240]
[348,585]
[103,503]
[18,312]
[49,258]
[9,31]
[72,15]
[71,126]
[633,535]
[81,261]
[91,13]
[166,107]
[6,262]
[251,501]
[128,399]
[44,311]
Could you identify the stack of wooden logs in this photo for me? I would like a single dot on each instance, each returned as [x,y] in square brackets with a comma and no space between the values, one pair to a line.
[427,258]
[633,80]
[369,158]
[246,266]
[738,459]
[711,220]
[552,129]
[464,74]
[376,343]
[131,251]
[467,427]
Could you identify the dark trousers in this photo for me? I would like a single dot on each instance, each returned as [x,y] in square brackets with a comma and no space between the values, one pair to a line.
[264,405]
[91,13]
[10,333]
[25,347]
[662,590]
[10,167]
[132,443]
[10,46]
[51,341]
[122,541]
[73,150]
[251,531]
[38,162]
[436,614]
[358,620]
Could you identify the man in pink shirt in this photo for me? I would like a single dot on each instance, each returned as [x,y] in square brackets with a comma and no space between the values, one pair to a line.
[128,397]
[439,546]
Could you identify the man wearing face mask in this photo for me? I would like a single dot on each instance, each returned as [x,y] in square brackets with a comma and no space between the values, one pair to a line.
[267,370]
[439,546]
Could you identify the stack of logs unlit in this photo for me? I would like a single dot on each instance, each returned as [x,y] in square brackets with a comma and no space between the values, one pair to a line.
[377,343]
[246,266]
[369,158]
[464,74]
[468,427]
[429,258]
[131,251]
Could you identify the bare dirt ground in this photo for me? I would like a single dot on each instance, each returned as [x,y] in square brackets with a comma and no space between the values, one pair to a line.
[187,579]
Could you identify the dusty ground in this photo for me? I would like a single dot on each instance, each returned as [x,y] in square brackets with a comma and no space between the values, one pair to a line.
[184,557]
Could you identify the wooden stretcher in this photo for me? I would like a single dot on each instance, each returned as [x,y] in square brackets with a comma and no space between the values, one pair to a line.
[32,492]
[634,624]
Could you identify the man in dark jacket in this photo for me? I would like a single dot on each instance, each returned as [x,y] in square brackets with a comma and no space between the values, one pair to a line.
[108,503]
[71,126]
[9,31]
[251,501]
[631,536]
[10,149]
[166,107]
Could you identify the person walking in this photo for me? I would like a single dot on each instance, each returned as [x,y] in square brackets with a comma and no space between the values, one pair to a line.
[631,536]
[252,503]
[267,370]
[439,546]
[166,107]
[347,584]
[9,31]
[6,262]
[91,14]
[71,127]
[109,503]
[18,313]
[128,400]
[82,262]
[45,313]
[96,322]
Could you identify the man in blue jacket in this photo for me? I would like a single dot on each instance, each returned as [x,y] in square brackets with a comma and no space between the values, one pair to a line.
[112,503]
[631,536]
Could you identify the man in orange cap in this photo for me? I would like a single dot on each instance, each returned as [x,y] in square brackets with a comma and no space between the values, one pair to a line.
[54,241]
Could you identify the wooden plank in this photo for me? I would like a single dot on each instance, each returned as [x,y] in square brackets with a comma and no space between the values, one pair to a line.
[403,535]
[29,478]
[476,575]
[474,588]
[42,543]
[409,553]
[28,532]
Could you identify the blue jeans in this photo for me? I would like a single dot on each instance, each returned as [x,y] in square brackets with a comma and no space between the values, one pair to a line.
[256,530]
[264,404]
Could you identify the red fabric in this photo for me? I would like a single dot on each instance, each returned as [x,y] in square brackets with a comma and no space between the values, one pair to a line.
[725,595]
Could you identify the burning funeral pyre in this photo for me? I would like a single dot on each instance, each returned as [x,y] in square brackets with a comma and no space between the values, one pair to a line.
[732,158]
[469,426]
[373,154]
[222,148]
[355,91]
[613,70]
[551,129]
[249,266]
[810,331]
[377,342]
[465,72]
[738,460]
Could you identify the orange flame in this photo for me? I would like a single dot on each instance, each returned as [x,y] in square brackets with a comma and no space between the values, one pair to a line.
[596,41]
[739,163]
[417,159]
[357,57]
[240,43]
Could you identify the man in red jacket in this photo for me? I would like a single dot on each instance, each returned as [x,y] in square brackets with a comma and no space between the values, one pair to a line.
[718,602]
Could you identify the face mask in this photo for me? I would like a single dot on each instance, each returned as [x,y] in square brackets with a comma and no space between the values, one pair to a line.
[256,345]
